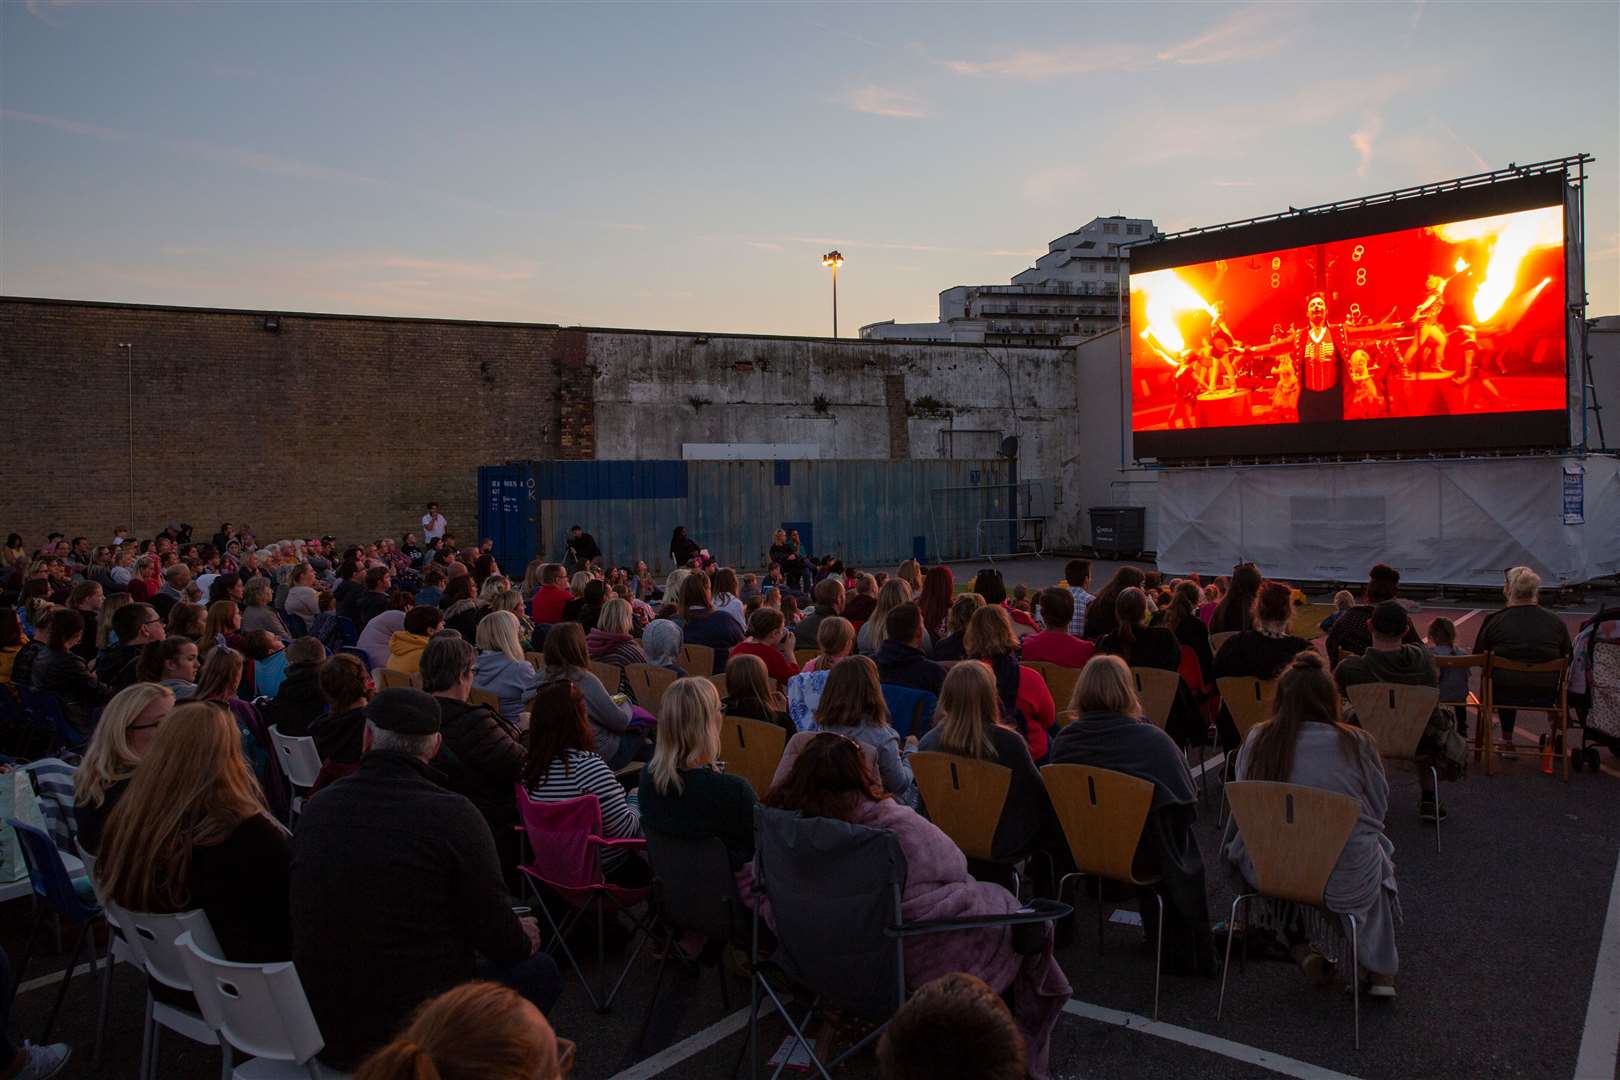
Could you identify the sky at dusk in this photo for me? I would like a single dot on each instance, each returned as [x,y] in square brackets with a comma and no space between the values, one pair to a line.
[684,165]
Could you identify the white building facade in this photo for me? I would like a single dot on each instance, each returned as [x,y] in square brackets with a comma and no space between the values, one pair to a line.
[1071,293]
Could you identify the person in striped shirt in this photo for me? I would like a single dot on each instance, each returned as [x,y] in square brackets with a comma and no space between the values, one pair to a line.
[1077,574]
[562,765]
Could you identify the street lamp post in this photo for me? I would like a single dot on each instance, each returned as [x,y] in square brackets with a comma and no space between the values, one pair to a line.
[833,260]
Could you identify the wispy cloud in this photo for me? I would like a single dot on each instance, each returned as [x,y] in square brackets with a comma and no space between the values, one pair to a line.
[1249,33]
[71,127]
[886,101]
[1363,139]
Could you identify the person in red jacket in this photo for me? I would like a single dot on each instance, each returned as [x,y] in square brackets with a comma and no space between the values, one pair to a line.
[766,633]
[547,606]
[1055,645]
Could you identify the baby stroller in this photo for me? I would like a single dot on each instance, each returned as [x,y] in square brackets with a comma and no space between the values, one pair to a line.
[1594,688]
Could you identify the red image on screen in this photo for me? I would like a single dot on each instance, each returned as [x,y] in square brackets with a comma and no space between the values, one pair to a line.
[1458,319]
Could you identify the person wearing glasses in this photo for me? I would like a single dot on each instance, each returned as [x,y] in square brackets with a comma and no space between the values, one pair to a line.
[136,625]
[127,729]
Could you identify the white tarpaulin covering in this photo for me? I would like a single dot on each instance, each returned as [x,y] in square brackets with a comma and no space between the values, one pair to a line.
[1440,522]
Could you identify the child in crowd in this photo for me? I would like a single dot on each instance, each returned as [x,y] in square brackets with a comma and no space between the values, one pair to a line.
[1453,681]
[1342,601]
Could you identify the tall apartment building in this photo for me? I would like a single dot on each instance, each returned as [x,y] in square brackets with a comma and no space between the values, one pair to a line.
[1071,293]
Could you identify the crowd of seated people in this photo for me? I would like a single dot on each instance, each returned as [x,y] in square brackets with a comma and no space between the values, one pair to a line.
[173,661]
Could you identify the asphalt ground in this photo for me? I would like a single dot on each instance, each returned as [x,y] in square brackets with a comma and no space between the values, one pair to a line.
[1499,949]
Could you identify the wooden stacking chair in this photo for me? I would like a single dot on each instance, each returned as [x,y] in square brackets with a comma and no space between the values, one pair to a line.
[537,659]
[387,679]
[1217,640]
[1060,680]
[1557,712]
[719,682]
[1294,836]
[752,749]
[1396,717]
[964,797]
[1102,813]
[1157,689]
[1248,702]
[804,656]
[697,659]
[492,701]
[647,684]
[612,675]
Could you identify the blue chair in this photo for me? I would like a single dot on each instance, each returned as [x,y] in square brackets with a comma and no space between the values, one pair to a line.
[910,711]
[47,715]
[270,673]
[350,633]
[295,624]
[55,893]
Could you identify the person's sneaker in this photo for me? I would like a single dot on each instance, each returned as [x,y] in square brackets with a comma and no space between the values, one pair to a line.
[42,1061]
[1380,986]
[1431,810]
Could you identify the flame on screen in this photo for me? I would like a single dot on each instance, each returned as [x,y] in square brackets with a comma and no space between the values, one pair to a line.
[1511,237]
[1166,295]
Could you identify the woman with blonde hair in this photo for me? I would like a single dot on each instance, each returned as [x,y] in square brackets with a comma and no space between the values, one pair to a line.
[192,831]
[874,631]
[910,573]
[1111,734]
[1022,690]
[749,693]
[512,600]
[852,705]
[685,792]
[105,638]
[610,640]
[475,1031]
[125,733]
[968,723]
[501,668]
[835,640]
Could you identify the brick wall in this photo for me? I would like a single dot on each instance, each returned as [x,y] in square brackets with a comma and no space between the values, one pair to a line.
[331,424]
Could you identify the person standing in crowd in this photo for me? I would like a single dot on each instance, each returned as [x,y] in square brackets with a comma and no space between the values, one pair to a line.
[582,551]
[433,523]
[397,891]
[1306,742]
[1527,633]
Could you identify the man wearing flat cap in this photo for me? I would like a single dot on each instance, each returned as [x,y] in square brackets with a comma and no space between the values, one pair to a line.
[396,891]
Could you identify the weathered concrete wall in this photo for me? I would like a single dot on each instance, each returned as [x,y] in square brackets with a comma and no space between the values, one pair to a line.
[854,399]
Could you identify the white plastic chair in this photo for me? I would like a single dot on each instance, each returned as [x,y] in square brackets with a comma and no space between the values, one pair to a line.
[261,1010]
[119,950]
[152,939]
[299,760]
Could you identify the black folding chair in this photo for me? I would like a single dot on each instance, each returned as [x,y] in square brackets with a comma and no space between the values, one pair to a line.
[694,891]
[835,893]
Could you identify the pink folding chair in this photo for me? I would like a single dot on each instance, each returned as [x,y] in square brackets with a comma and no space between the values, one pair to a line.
[566,843]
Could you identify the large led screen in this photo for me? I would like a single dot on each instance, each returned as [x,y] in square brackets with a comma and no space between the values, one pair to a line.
[1442,336]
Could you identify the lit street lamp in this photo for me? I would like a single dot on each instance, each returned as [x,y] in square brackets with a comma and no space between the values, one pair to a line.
[832,260]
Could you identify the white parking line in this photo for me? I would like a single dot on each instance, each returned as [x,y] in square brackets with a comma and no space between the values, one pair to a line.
[671,1056]
[1199,1040]
[1600,1040]
[52,979]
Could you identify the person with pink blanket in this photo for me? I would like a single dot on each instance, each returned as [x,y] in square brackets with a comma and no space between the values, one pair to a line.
[829,777]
